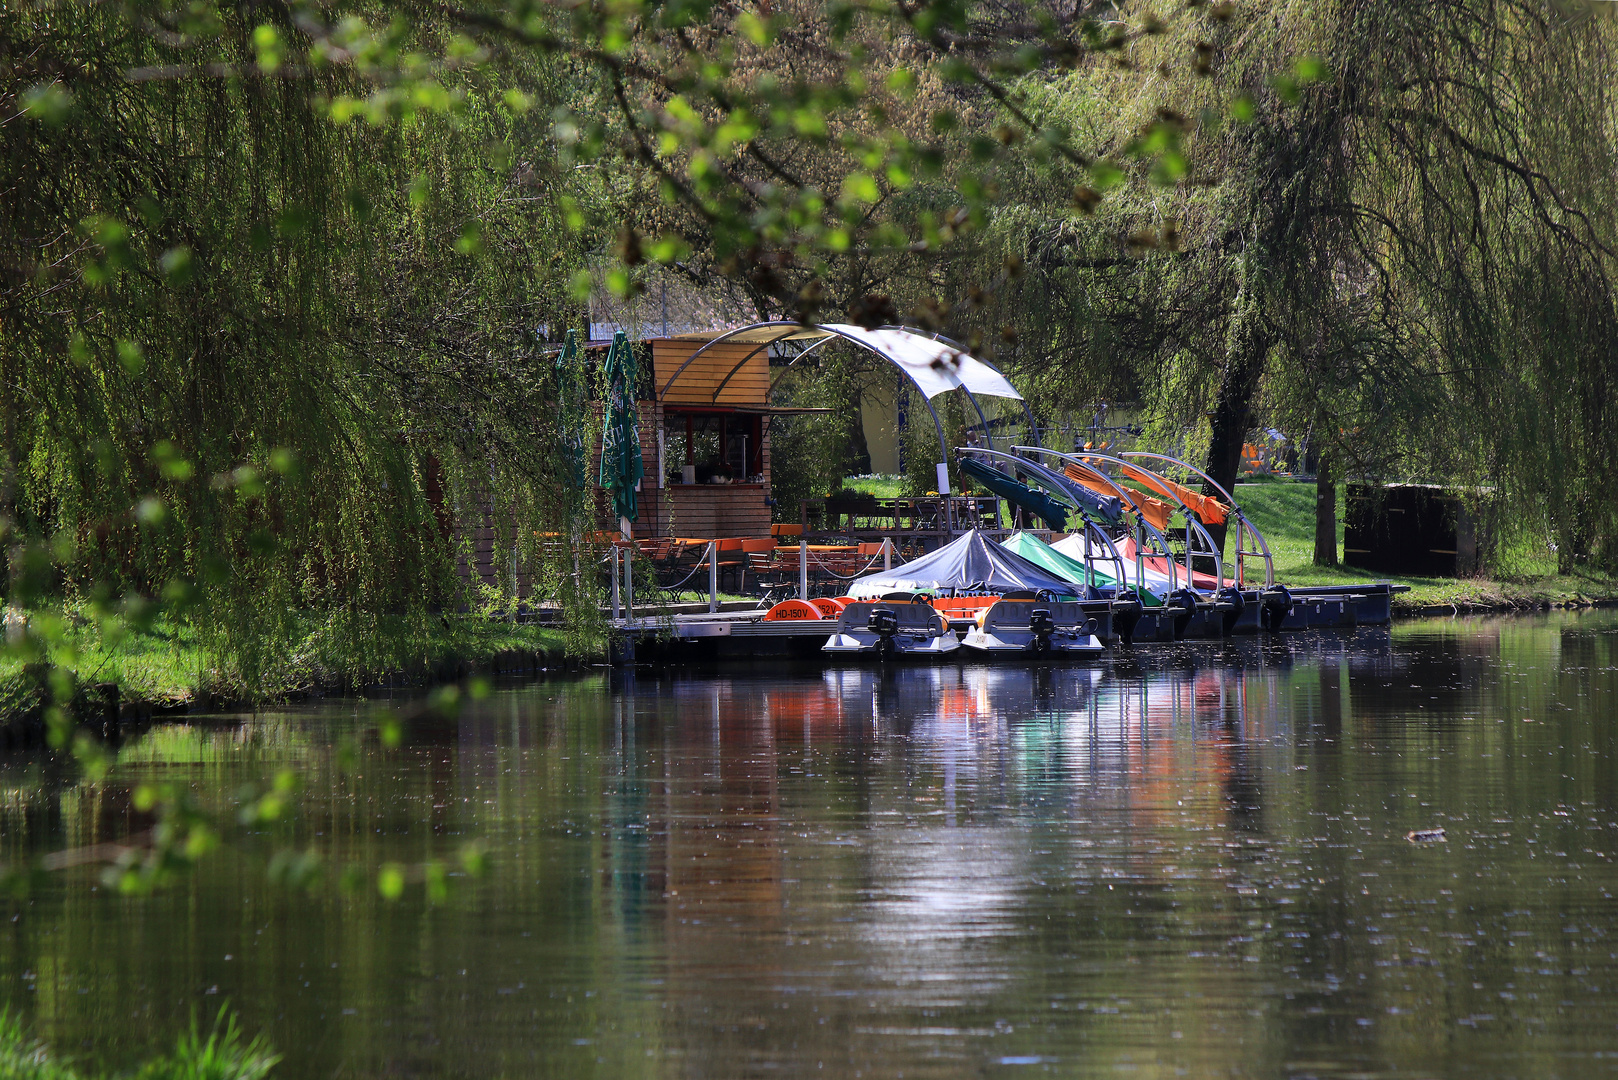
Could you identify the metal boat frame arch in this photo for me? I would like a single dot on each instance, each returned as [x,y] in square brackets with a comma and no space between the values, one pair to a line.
[1193,527]
[1143,528]
[1243,524]
[796,330]
[1091,528]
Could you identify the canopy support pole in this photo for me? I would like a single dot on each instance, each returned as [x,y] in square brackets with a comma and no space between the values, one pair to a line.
[713,576]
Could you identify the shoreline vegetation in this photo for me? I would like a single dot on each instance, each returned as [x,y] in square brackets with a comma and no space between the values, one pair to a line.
[164,668]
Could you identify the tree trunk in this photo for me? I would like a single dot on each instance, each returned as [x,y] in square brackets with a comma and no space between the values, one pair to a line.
[1325,513]
[1233,408]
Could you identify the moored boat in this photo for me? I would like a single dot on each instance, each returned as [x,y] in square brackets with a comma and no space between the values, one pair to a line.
[897,626]
[1035,627]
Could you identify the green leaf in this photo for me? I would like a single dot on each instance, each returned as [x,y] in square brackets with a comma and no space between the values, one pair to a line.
[755,29]
[131,356]
[581,286]
[390,881]
[1170,168]
[176,264]
[859,187]
[267,43]
[49,103]
[1242,108]
[1104,176]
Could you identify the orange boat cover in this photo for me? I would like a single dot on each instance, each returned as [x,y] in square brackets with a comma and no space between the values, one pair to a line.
[829,609]
[791,610]
[1209,510]
[1156,511]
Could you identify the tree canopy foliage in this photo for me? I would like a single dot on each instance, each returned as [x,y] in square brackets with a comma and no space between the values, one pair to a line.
[273,273]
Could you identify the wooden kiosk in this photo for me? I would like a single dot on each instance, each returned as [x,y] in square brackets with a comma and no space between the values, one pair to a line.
[705,434]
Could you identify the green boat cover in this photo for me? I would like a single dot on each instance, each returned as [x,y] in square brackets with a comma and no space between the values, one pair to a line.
[1043,555]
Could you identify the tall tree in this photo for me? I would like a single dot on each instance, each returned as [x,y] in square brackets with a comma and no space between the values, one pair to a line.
[1401,230]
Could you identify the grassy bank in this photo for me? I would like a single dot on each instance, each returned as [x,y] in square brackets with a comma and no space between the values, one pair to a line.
[164,665]
[1285,513]
[221,1054]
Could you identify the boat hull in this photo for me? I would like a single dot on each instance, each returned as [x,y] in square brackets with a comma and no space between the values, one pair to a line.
[1011,644]
[891,631]
[904,647]
[1065,629]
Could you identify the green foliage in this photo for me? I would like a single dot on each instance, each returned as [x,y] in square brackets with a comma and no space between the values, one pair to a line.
[1399,254]
[220,1054]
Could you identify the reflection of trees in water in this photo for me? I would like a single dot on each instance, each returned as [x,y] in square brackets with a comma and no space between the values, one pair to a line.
[871,868]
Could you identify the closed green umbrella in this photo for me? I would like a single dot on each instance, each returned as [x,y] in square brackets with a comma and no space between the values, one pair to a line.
[571,415]
[621,468]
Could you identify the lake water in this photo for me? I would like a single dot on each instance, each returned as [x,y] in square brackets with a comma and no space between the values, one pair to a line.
[1185,861]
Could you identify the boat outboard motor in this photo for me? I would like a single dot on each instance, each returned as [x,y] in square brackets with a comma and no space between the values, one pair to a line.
[1042,626]
[1183,602]
[884,623]
[1277,603]
[1233,601]
[1126,613]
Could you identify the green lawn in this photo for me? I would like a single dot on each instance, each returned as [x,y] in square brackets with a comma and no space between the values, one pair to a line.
[883,487]
[1285,513]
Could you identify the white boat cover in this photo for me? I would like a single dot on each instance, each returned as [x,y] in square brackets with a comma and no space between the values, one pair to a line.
[1077,547]
[972,563]
[935,367]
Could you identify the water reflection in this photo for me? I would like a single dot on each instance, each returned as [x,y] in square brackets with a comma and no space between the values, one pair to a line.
[1188,860]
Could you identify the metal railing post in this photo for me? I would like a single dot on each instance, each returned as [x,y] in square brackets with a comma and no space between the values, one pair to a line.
[629,584]
[887,553]
[615,594]
[713,576]
[803,569]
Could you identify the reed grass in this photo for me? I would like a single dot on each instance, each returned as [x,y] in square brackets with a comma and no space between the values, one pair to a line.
[220,1053]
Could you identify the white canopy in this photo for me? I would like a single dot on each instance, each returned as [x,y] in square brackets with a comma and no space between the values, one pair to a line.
[934,366]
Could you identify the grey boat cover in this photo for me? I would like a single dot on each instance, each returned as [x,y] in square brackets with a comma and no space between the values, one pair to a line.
[974,563]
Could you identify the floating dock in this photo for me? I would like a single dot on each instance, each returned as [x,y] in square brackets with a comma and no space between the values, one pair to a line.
[744,635]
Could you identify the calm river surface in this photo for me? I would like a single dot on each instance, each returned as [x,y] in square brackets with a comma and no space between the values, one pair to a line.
[1189,861]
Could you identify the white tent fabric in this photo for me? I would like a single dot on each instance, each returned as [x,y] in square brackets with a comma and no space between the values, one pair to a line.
[1077,546]
[934,366]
